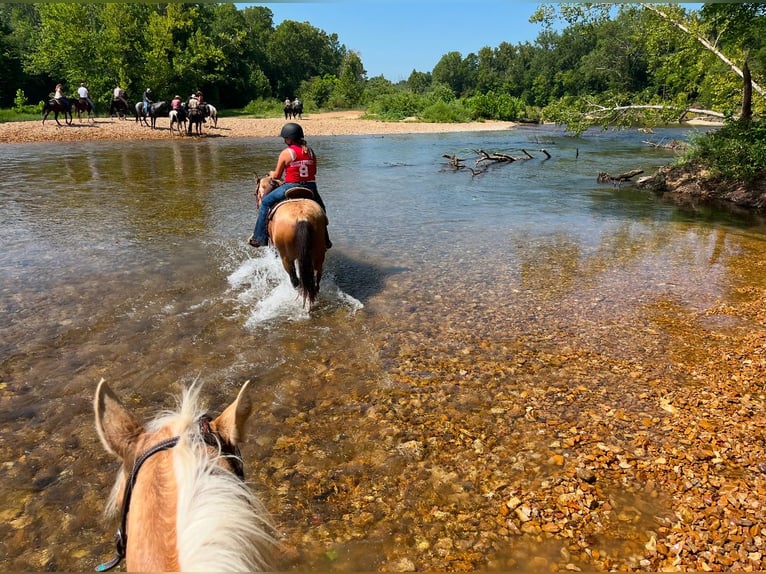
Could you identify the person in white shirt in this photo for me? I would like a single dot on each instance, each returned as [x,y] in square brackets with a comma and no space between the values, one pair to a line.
[82,92]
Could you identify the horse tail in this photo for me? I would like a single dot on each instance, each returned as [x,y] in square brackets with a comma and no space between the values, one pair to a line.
[308,286]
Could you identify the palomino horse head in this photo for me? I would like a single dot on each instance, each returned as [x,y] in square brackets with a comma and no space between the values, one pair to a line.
[298,230]
[181,490]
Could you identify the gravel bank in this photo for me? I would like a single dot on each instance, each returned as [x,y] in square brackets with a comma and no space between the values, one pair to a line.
[325,124]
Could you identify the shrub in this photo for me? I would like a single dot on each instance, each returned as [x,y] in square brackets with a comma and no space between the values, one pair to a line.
[736,152]
[444,112]
[264,108]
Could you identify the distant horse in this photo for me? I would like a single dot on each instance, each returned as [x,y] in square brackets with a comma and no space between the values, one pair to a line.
[81,105]
[212,113]
[58,107]
[298,110]
[195,117]
[155,110]
[297,228]
[181,491]
[178,117]
[119,108]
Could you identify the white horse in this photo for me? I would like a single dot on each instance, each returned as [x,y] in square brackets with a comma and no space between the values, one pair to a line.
[175,118]
[181,490]
[212,114]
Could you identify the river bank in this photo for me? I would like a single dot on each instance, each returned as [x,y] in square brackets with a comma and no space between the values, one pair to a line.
[322,124]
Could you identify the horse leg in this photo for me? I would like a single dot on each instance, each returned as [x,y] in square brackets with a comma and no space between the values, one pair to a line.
[289,266]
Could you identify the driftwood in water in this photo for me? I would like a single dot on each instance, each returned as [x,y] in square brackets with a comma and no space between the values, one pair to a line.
[455,162]
[604,177]
[486,159]
[499,157]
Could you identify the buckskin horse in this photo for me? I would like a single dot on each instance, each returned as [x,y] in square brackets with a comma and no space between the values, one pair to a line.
[58,107]
[181,490]
[297,228]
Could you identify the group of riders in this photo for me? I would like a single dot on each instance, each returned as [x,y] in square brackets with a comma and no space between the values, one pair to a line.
[195,105]
[293,109]
[83,99]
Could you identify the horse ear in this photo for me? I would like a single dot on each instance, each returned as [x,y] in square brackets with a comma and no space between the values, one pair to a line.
[230,424]
[117,428]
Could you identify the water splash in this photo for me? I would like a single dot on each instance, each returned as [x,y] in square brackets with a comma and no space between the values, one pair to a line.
[265,292]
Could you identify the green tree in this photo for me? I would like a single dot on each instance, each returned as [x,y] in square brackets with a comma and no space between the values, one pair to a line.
[350,87]
[298,51]
[453,71]
[419,82]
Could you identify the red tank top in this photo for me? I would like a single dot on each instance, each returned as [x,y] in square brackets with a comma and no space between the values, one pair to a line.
[303,167]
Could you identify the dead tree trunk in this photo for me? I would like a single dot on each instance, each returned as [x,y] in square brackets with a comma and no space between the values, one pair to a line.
[747,93]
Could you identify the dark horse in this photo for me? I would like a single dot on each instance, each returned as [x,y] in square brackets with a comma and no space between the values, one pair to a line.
[297,228]
[58,107]
[81,105]
[195,117]
[155,110]
[118,108]
[298,110]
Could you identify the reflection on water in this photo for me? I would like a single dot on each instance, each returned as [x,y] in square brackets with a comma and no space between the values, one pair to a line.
[453,294]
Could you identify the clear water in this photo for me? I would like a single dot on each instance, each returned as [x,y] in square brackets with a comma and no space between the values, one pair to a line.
[128,261]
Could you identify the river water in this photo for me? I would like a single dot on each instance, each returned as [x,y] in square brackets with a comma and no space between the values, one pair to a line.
[129,262]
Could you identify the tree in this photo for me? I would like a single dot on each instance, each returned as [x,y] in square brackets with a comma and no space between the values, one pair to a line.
[453,71]
[297,51]
[350,87]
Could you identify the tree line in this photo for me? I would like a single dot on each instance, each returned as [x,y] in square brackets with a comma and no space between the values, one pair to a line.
[233,56]
[605,57]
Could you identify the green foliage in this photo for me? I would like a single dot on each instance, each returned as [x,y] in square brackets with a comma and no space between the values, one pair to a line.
[445,112]
[20,100]
[319,91]
[264,108]
[349,89]
[492,106]
[396,106]
[736,152]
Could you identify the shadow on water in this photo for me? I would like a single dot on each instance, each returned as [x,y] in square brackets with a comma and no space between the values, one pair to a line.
[361,279]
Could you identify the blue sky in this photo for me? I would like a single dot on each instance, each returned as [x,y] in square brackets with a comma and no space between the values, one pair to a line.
[393,37]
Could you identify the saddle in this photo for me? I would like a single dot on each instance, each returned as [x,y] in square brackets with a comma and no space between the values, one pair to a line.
[292,194]
[299,193]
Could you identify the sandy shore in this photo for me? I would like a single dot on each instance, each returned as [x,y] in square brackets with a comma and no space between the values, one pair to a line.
[324,124]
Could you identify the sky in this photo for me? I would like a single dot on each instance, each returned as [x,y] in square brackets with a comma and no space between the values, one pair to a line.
[394,37]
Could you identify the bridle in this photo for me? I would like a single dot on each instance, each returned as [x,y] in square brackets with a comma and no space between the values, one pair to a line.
[274,183]
[210,437]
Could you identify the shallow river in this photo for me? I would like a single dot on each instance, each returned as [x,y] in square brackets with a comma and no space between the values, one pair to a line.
[129,262]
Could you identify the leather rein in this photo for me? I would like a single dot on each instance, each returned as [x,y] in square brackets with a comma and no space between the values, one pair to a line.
[210,437]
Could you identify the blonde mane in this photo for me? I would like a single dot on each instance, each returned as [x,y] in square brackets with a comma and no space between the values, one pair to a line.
[221,524]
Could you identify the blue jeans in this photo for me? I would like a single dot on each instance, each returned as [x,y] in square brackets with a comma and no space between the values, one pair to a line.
[261,232]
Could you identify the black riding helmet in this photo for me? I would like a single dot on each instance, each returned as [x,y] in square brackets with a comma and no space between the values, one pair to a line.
[293,131]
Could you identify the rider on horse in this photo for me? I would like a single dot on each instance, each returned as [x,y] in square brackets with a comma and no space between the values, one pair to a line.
[119,96]
[59,96]
[147,100]
[83,94]
[298,163]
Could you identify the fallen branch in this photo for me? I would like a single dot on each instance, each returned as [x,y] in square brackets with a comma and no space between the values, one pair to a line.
[604,177]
